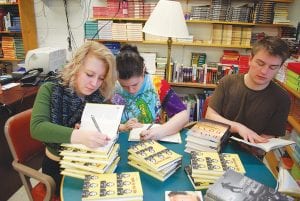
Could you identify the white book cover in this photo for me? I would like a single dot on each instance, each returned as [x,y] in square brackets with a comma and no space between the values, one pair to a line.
[273,143]
[134,135]
[287,184]
[108,118]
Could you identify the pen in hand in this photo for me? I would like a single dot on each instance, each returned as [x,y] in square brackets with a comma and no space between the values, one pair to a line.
[95,123]
[150,126]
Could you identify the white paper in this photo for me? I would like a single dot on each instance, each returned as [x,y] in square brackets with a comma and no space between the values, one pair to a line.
[273,143]
[134,135]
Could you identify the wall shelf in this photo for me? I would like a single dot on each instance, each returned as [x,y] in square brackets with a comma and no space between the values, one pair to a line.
[193,85]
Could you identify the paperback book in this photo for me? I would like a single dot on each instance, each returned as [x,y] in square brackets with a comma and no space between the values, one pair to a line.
[123,186]
[233,186]
[213,163]
[273,143]
[134,134]
[154,159]
[207,135]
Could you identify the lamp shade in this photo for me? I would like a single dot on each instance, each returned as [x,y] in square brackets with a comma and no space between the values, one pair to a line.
[167,19]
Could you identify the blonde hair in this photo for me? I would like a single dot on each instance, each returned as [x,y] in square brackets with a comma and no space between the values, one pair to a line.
[69,72]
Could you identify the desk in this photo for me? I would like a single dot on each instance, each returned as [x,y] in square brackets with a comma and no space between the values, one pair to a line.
[152,188]
[12,101]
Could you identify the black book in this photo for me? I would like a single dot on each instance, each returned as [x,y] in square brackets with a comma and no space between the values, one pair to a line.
[234,186]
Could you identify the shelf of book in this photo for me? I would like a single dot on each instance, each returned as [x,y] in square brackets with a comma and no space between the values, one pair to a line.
[25,38]
[122,19]
[193,85]
[195,43]
[10,59]
[9,32]
[8,4]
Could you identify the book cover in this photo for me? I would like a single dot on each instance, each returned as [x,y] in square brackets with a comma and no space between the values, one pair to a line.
[287,183]
[206,163]
[154,154]
[183,196]
[134,134]
[108,118]
[210,130]
[196,184]
[124,186]
[273,143]
[161,175]
[82,152]
[233,186]
[213,163]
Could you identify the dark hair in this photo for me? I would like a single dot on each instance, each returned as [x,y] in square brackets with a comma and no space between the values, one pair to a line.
[129,62]
[273,45]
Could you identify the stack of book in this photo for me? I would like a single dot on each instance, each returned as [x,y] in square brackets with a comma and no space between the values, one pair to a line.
[123,186]
[292,79]
[207,135]
[79,160]
[154,159]
[91,29]
[105,31]
[234,186]
[206,167]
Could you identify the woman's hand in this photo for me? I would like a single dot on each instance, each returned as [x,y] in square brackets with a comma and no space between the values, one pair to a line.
[153,134]
[130,124]
[92,139]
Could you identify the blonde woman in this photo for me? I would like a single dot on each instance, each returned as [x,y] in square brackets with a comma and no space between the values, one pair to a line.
[89,77]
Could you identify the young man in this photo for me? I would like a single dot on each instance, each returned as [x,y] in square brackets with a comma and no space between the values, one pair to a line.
[253,105]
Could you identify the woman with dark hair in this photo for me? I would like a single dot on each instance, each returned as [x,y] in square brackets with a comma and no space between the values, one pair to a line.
[145,97]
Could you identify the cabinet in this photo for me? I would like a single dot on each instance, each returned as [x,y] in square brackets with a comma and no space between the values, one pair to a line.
[26,37]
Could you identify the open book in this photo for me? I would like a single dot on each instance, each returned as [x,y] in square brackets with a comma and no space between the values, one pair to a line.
[108,119]
[273,143]
[287,183]
[134,135]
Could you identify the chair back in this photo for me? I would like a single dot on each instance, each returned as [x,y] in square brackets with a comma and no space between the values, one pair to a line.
[17,131]
[27,154]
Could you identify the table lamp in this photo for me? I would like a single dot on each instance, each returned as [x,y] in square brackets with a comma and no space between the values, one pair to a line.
[167,19]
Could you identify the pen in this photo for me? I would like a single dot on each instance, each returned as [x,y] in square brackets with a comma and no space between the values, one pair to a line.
[156,115]
[95,123]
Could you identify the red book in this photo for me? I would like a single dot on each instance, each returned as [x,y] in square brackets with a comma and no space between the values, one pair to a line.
[294,66]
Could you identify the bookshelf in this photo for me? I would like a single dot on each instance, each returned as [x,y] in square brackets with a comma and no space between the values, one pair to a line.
[195,27]
[25,10]
[272,160]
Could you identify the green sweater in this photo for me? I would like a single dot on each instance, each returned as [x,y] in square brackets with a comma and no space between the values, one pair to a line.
[40,126]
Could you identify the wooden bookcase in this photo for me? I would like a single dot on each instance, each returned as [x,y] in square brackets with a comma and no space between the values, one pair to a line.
[195,43]
[295,123]
[28,25]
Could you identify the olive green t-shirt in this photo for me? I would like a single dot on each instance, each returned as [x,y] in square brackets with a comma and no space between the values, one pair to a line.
[264,111]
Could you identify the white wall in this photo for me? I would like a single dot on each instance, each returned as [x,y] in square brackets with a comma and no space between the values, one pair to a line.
[52,29]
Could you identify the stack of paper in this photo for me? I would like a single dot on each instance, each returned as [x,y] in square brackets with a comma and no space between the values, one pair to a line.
[154,159]
[134,134]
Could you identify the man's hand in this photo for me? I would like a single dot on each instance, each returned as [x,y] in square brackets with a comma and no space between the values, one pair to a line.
[248,134]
